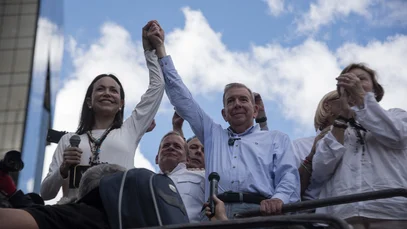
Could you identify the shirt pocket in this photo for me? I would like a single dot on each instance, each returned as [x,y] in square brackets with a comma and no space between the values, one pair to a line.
[191,186]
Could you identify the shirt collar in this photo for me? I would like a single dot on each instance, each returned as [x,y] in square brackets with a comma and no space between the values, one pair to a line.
[179,167]
[246,132]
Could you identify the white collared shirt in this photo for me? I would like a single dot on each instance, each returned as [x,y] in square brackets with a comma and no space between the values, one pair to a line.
[380,164]
[191,187]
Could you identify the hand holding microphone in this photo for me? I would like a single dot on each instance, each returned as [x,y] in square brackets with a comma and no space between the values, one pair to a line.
[71,156]
[213,191]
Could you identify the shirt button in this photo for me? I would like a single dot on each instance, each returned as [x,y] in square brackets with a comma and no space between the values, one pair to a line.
[232,182]
[234,166]
[235,157]
[237,145]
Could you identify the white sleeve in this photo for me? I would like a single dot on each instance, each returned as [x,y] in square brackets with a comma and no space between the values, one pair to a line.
[145,111]
[388,127]
[53,181]
[328,155]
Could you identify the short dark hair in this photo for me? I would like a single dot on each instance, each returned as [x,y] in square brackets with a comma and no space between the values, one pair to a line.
[378,89]
[87,119]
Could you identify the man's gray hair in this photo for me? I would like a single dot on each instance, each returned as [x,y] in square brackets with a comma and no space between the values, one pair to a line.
[91,178]
[237,85]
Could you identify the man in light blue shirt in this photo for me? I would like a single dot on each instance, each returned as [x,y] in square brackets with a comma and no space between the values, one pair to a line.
[255,167]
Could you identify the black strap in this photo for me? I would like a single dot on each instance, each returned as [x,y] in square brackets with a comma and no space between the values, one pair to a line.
[238,197]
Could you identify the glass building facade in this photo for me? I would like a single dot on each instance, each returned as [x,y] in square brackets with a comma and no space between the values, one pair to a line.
[31,50]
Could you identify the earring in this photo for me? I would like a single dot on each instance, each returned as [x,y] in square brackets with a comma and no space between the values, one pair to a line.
[90,107]
[120,109]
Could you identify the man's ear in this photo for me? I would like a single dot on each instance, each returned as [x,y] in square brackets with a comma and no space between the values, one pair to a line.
[224,114]
[156,159]
[255,111]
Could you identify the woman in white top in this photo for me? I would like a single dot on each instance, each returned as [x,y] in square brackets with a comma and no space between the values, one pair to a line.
[304,148]
[366,153]
[105,138]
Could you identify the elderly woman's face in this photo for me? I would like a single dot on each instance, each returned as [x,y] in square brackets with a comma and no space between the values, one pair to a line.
[365,79]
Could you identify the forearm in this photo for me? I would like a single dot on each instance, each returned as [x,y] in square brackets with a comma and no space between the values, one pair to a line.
[181,98]
[178,129]
[51,185]
[388,127]
[147,108]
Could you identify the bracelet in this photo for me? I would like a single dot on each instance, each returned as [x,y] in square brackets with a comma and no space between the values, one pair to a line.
[262,119]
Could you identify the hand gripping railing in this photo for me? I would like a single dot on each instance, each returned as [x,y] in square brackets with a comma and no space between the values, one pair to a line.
[266,221]
[312,204]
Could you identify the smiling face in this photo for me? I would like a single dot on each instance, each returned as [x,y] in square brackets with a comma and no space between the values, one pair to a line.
[239,108]
[196,157]
[172,151]
[105,99]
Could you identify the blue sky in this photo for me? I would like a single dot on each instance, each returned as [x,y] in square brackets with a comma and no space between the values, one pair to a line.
[289,51]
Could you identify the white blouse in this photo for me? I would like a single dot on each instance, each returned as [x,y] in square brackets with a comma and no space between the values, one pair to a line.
[120,145]
[380,164]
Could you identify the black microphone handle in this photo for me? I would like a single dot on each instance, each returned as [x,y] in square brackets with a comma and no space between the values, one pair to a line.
[213,191]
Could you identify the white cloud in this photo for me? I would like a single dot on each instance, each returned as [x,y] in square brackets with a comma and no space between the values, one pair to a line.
[324,12]
[48,46]
[141,162]
[390,12]
[376,12]
[275,7]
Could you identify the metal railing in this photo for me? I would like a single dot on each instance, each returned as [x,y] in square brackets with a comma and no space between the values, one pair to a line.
[243,221]
[337,200]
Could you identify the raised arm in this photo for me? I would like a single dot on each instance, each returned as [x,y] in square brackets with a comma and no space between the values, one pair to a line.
[145,111]
[177,123]
[181,98]
[261,118]
[388,127]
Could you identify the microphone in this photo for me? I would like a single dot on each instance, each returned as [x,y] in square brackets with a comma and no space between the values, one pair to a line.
[231,141]
[213,180]
[73,176]
[75,140]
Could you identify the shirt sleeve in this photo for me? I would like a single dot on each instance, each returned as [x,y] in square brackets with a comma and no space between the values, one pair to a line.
[329,153]
[286,179]
[145,111]
[53,181]
[388,127]
[185,105]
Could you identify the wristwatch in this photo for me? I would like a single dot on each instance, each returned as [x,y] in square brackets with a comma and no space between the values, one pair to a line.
[262,119]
